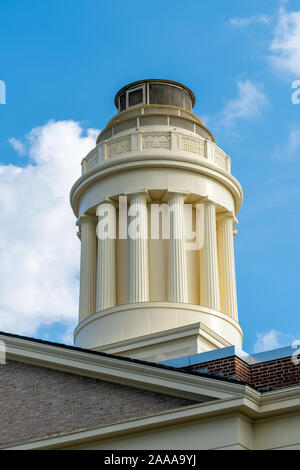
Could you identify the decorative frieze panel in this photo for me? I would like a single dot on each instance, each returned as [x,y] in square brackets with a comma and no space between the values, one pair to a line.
[220,158]
[195,146]
[118,146]
[92,160]
[158,140]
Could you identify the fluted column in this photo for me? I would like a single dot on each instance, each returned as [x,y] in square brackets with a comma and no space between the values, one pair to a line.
[106,259]
[177,273]
[209,277]
[225,228]
[138,252]
[87,292]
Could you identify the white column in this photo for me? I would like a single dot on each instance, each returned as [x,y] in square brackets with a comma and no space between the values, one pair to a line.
[209,276]
[225,228]
[87,293]
[177,273]
[106,259]
[138,252]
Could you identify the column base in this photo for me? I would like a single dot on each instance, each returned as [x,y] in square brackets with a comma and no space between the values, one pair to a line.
[157,331]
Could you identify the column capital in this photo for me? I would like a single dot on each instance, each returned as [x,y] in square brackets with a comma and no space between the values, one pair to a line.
[171,194]
[227,215]
[176,192]
[139,193]
[86,218]
[108,201]
[205,200]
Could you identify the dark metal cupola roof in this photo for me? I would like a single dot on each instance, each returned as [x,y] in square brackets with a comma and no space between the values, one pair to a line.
[155,91]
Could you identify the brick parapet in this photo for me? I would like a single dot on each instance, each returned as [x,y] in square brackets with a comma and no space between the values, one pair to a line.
[264,376]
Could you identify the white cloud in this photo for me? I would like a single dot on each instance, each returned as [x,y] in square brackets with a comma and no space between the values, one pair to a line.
[291,148]
[272,340]
[18,145]
[39,250]
[294,139]
[249,103]
[285,45]
[247,21]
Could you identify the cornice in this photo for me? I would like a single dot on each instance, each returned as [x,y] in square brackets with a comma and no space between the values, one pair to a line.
[140,160]
[137,111]
[134,374]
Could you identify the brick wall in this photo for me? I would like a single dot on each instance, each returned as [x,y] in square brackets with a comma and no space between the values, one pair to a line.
[36,402]
[231,367]
[265,376]
[273,375]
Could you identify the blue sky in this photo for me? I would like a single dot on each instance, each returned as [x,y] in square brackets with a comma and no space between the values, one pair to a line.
[63,61]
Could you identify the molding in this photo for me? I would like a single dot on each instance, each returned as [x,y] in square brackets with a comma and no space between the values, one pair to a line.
[196,329]
[121,117]
[137,374]
[173,305]
[140,160]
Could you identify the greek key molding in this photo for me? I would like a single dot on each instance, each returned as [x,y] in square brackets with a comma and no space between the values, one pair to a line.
[220,158]
[195,146]
[158,140]
[92,161]
[119,146]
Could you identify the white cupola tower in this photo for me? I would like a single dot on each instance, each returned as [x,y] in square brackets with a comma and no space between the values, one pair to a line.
[156,206]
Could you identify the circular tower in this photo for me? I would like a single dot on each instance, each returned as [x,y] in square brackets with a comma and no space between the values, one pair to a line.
[156,208]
